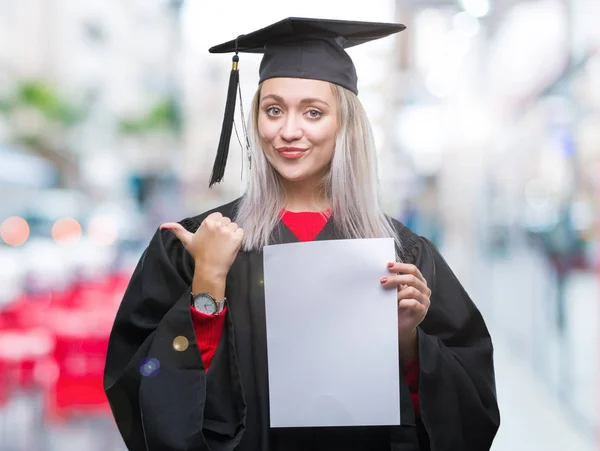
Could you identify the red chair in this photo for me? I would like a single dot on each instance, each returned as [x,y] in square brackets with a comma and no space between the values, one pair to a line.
[20,352]
[80,353]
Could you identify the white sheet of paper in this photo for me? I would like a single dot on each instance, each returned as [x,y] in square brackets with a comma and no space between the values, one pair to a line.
[332,334]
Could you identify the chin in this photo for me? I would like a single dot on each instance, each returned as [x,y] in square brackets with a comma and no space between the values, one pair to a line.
[293,176]
[301,176]
[295,172]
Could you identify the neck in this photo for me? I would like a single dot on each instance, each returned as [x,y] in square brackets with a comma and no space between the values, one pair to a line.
[304,196]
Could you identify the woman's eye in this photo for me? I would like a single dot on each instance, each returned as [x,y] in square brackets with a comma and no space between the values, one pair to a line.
[273,111]
[314,114]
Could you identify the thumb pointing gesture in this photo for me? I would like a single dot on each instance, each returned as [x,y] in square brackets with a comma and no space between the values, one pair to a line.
[214,245]
[180,232]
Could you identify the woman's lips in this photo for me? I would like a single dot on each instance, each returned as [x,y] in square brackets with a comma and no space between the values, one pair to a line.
[291,152]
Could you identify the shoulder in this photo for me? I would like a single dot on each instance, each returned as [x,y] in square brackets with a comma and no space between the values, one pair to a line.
[425,255]
[410,242]
[421,252]
[229,210]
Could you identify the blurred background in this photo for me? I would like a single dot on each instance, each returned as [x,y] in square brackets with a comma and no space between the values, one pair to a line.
[487,120]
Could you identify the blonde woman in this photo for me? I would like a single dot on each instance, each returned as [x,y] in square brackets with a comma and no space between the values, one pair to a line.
[313,176]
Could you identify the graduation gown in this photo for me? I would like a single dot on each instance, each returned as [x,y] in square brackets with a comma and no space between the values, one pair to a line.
[163,399]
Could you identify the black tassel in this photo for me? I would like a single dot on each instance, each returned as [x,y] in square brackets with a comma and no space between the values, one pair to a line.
[223,149]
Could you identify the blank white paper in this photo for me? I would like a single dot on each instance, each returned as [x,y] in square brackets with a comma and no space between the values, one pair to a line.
[332,334]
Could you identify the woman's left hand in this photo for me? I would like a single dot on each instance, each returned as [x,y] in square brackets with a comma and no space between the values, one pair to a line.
[413,303]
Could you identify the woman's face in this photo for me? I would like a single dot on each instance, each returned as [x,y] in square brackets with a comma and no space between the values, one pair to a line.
[297,126]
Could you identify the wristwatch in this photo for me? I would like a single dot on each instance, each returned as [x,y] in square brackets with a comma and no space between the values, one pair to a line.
[205,303]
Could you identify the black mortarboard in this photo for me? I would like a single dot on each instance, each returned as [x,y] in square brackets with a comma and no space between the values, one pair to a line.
[299,48]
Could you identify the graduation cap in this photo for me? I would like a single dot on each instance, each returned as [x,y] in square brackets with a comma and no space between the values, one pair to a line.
[299,48]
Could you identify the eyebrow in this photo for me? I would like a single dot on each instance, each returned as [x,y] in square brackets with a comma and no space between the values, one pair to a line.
[305,101]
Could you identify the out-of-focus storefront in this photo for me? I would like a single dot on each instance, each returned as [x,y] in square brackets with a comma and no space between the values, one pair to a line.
[497,111]
[541,186]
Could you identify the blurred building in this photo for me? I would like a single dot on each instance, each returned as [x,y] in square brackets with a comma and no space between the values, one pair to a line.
[112,67]
[498,102]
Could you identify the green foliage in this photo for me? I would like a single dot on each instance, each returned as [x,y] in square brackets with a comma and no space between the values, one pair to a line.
[163,116]
[44,98]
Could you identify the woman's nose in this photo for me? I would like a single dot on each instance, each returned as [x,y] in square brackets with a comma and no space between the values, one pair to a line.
[291,129]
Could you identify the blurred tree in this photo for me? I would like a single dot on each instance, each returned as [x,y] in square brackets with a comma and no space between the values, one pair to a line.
[164,116]
[40,119]
[41,96]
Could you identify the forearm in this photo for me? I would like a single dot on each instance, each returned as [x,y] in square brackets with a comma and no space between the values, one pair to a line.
[207,281]
[407,346]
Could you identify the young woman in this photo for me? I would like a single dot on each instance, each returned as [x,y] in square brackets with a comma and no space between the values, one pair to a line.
[187,361]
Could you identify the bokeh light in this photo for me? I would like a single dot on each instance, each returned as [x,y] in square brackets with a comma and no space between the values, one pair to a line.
[476,8]
[102,231]
[14,231]
[150,367]
[66,230]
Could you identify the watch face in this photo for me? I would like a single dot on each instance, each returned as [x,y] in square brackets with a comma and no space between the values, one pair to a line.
[205,304]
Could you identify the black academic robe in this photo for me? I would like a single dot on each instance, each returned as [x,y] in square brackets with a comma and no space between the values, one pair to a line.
[179,406]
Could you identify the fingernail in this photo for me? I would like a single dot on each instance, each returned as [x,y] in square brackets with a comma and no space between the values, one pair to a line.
[383,280]
[390,265]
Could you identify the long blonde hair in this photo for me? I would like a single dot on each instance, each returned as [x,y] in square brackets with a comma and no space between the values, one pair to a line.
[351,183]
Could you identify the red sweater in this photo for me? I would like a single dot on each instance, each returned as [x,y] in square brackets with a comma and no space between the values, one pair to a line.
[306,226]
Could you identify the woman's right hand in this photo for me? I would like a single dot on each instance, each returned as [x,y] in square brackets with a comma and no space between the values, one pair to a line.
[213,246]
